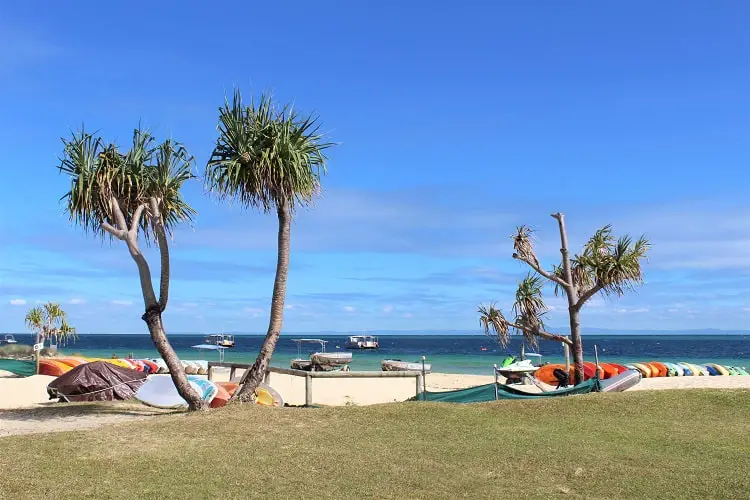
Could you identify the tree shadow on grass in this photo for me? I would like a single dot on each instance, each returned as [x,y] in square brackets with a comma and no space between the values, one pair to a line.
[56,411]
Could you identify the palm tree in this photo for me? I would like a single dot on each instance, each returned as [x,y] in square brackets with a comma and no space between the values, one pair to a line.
[269,158]
[605,265]
[49,321]
[120,195]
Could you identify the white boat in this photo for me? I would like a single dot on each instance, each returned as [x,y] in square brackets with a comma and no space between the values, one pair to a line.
[220,339]
[8,339]
[320,360]
[396,365]
[362,342]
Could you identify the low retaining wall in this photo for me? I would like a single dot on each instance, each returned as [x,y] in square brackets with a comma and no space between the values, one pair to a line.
[299,387]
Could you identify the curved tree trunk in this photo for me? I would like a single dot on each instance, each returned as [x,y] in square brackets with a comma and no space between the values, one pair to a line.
[152,317]
[254,376]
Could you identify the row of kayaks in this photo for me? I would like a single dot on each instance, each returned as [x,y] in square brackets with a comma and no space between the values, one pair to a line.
[682,369]
[648,370]
[59,366]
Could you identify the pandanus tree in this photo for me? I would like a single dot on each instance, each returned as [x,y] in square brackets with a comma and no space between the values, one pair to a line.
[271,158]
[47,322]
[606,265]
[123,194]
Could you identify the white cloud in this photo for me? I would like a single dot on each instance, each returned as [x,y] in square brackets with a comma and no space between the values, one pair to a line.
[18,302]
[122,302]
[77,301]
[408,315]
[388,308]
[289,307]
[349,309]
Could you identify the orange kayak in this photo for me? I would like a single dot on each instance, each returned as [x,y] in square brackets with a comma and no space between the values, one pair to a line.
[661,368]
[52,367]
[610,370]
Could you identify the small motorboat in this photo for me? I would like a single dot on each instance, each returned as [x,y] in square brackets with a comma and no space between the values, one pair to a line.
[8,339]
[396,365]
[220,339]
[320,360]
[362,342]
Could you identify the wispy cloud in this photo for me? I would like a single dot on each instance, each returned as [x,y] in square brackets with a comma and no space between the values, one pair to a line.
[349,309]
[119,302]
[18,302]
[20,48]
[77,301]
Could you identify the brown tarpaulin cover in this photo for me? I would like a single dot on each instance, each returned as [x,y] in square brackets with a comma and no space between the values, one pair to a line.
[97,381]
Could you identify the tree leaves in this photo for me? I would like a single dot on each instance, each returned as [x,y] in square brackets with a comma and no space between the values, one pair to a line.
[100,173]
[265,155]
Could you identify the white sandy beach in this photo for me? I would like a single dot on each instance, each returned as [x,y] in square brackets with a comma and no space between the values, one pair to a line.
[31,391]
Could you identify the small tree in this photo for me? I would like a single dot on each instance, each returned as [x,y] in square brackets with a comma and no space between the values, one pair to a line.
[608,265]
[47,322]
[269,158]
[123,194]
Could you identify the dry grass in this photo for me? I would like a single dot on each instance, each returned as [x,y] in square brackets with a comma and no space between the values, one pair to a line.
[675,444]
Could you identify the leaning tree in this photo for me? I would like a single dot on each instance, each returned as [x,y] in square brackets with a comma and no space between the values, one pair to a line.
[271,158]
[47,322]
[606,265]
[123,194]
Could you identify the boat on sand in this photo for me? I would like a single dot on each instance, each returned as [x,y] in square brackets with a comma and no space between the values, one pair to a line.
[320,360]
[396,365]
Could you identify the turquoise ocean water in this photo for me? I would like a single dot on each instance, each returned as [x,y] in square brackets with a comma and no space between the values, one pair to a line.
[447,353]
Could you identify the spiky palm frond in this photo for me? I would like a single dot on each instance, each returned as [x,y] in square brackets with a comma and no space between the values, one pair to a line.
[34,319]
[494,324]
[100,173]
[523,244]
[612,265]
[529,307]
[265,155]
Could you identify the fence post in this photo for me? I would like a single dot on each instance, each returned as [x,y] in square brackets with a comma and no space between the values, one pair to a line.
[308,390]
[494,370]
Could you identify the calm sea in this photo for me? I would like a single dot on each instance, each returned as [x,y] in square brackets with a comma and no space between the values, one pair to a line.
[449,354]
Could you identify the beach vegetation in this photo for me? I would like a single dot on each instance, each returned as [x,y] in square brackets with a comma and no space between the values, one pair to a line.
[268,157]
[49,321]
[125,194]
[606,265]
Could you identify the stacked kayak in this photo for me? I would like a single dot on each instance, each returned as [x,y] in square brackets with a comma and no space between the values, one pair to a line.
[650,369]
[56,367]
[159,391]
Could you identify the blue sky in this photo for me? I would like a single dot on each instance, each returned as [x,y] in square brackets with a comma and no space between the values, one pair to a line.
[457,122]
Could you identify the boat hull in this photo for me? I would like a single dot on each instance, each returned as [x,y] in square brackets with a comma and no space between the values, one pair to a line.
[326,359]
[396,365]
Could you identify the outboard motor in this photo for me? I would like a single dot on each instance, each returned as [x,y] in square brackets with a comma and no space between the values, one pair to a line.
[563,379]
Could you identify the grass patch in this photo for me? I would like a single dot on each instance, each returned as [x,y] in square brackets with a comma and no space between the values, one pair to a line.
[662,444]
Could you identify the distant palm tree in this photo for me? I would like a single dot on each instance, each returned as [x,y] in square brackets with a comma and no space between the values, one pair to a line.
[49,321]
[123,194]
[269,158]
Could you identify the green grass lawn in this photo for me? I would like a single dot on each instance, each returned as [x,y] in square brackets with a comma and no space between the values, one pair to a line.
[665,444]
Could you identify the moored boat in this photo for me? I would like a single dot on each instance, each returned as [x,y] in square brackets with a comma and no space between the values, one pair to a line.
[396,365]
[362,342]
[320,360]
